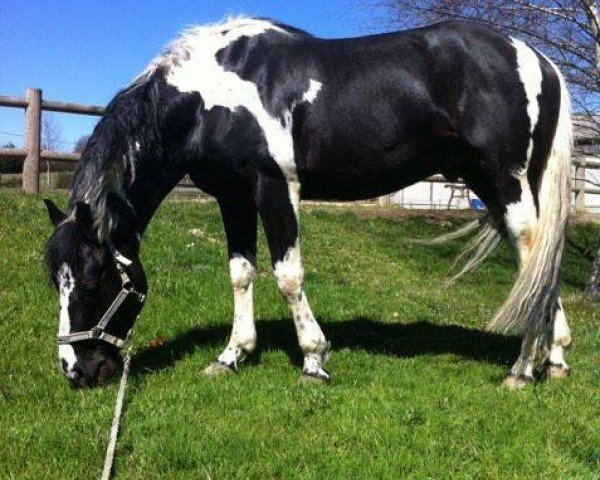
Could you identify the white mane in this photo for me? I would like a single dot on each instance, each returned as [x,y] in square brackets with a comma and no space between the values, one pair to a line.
[207,38]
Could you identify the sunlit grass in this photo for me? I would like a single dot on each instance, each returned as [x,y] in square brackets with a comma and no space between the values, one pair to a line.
[415,389]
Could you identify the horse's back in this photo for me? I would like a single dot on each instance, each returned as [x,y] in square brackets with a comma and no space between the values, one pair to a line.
[359,117]
[395,108]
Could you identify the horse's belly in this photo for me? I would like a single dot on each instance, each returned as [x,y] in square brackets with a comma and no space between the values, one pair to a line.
[357,184]
[340,175]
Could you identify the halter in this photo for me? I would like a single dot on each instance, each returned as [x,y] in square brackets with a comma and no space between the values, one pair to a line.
[127,289]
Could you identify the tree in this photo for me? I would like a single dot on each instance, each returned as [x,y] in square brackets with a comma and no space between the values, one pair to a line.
[81,143]
[51,133]
[51,139]
[567,31]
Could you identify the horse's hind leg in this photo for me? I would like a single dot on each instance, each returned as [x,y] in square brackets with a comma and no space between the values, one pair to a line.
[278,204]
[546,350]
[543,349]
[240,228]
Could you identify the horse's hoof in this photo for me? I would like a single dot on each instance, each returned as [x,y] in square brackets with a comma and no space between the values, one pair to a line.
[319,376]
[554,370]
[512,382]
[217,368]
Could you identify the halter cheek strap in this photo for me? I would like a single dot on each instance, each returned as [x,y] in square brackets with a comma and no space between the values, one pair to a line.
[127,289]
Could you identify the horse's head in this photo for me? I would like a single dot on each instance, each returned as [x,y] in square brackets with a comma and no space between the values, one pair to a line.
[101,291]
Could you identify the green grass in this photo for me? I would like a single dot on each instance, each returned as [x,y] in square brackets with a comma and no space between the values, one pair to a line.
[415,390]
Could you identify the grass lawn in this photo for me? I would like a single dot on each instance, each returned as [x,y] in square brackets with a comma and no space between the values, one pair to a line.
[415,390]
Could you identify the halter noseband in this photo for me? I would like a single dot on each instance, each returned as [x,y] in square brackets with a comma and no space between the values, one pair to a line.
[127,289]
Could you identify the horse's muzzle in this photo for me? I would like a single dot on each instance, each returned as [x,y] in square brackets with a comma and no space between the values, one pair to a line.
[98,370]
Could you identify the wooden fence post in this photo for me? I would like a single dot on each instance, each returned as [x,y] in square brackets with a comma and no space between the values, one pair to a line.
[33,121]
[580,184]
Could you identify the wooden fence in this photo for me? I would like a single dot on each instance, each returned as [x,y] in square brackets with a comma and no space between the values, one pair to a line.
[31,154]
[33,103]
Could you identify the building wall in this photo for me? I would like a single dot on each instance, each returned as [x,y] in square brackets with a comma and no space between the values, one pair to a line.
[427,195]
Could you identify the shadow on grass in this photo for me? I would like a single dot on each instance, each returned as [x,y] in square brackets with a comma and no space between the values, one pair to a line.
[399,340]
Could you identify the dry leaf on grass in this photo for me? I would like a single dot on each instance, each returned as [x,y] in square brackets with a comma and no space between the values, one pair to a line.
[198,233]
[156,342]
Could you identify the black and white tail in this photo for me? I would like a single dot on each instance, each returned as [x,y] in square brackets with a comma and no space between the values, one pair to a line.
[534,295]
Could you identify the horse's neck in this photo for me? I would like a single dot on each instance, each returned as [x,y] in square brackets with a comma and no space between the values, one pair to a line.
[149,189]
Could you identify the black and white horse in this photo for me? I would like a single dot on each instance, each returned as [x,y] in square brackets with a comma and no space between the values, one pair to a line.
[261,114]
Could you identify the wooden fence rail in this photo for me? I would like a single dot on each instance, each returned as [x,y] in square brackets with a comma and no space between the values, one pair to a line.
[34,104]
[32,154]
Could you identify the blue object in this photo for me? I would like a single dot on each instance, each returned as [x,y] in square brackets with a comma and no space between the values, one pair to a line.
[477,204]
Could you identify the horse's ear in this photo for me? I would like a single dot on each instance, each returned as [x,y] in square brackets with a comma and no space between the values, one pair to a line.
[56,216]
[83,215]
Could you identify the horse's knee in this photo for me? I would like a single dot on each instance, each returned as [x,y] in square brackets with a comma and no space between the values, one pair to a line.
[241,272]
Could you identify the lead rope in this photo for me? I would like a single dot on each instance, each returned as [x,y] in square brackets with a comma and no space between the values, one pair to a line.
[114,429]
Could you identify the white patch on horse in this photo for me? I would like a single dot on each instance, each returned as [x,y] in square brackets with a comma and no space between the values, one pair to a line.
[66,286]
[521,216]
[314,87]
[530,73]
[193,67]
[561,338]
[243,334]
[294,194]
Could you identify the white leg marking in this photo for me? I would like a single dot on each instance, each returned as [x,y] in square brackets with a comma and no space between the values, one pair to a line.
[66,286]
[561,339]
[562,332]
[243,335]
[521,373]
[290,274]
[294,194]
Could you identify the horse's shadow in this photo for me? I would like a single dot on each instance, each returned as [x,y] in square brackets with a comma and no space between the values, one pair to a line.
[399,340]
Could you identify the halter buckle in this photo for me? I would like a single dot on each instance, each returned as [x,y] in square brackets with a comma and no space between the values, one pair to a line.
[96,332]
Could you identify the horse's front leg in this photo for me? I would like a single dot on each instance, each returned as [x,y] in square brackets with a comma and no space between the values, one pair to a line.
[278,204]
[240,228]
